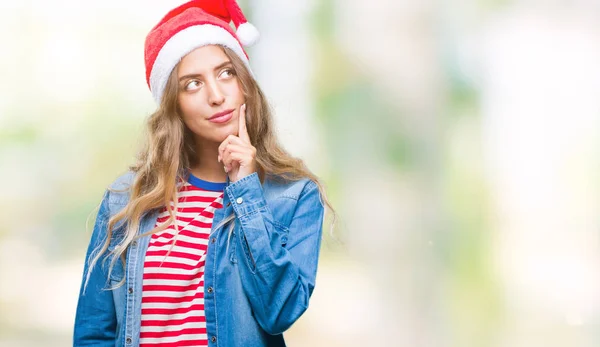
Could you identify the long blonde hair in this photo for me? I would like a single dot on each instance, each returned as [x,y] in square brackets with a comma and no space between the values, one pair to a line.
[169,153]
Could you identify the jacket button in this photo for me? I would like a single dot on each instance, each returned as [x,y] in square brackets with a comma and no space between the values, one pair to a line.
[213,240]
[239,200]
[213,339]
[130,290]
[210,289]
[128,340]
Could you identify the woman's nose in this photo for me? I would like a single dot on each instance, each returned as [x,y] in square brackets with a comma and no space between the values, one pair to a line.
[215,95]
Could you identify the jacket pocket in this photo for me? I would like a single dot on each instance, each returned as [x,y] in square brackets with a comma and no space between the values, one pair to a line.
[278,231]
[279,228]
[117,273]
[282,231]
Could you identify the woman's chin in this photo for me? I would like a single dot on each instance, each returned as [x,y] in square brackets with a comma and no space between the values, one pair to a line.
[222,133]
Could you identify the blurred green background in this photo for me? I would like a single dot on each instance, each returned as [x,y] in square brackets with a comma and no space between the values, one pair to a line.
[458,141]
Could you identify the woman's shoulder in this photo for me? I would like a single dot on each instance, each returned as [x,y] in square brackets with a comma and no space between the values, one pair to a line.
[123,181]
[119,189]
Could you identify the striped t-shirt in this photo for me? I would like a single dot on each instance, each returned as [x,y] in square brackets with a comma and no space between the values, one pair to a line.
[173,294]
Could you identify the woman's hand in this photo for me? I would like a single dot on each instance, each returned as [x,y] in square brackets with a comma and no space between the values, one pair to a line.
[237,153]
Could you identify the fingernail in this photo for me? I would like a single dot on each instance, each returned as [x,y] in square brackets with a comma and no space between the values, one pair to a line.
[244,106]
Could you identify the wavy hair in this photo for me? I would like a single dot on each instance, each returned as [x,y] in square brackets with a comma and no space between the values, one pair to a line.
[169,152]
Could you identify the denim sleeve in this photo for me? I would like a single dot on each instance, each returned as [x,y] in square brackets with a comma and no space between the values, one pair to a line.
[95,318]
[277,280]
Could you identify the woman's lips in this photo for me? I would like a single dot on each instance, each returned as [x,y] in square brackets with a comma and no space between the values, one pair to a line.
[222,118]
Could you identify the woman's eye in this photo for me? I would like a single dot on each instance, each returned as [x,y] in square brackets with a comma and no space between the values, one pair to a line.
[226,73]
[192,85]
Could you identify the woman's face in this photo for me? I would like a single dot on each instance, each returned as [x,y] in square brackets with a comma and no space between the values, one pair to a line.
[209,88]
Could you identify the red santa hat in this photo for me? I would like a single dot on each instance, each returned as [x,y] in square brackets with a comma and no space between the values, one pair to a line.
[194,24]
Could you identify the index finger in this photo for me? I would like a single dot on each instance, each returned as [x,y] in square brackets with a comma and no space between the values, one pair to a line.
[243,131]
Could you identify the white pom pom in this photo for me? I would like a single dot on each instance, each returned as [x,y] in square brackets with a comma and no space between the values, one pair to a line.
[247,34]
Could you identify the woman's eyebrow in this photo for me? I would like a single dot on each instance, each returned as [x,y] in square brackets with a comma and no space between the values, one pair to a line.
[194,75]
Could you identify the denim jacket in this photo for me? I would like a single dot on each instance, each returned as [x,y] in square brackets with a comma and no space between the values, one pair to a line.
[254,289]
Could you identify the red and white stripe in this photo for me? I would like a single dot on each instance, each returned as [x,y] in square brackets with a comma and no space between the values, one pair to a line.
[173,294]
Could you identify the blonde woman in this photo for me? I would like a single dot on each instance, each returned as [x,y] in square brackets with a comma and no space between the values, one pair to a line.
[213,237]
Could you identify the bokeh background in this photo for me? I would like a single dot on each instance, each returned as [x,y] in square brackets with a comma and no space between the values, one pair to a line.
[458,141]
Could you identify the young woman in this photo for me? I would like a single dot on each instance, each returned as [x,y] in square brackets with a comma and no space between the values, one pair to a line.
[213,237]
